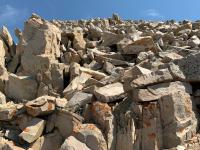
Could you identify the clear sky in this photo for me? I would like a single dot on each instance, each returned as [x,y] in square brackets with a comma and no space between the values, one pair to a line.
[14,12]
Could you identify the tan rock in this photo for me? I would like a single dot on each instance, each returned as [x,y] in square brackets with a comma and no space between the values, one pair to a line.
[41,106]
[95,74]
[5,35]
[79,99]
[156,77]
[66,122]
[156,91]
[7,111]
[21,88]
[91,136]
[2,98]
[33,130]
[110,38]
[101,113]
[140,45]
[76,84]
[78,42]
[52,141]
[71,143]
[178,119]
[110,92]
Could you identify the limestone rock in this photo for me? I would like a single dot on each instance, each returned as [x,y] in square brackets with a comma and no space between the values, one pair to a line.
[153,78]
[140,45]
[110,93]
[79,99]
[71,143]
[91,136]
[50,141]
[7,111]
[21,88]
[41,106]
[33,130]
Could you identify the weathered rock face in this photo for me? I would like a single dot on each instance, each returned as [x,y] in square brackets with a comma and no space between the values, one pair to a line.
[100,84]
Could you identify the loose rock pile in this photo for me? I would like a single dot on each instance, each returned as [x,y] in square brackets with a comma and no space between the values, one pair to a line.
[100,84]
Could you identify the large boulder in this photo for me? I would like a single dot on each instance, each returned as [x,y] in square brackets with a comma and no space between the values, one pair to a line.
[21,88]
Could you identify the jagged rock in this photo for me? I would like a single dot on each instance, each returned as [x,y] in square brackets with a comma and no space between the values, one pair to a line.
[7,111]
[21,88]
[5,35]
[71,143]
[66,122]
[156,77]
[156,91]
[110,38]
[78,42]
[41,106]
[188,67]
[178,126]
[76,84]
[2,98]
[8,145]
[91,136]
[101,113]
[33,130]
[140,45]
[79,99]
[95,74]
[52,141]
[110,93]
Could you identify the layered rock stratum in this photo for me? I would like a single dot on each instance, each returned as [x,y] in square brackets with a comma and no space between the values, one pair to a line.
[100,84]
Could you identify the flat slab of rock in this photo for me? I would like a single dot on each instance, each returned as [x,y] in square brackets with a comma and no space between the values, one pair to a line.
[156,91]
[110,92]
[33,130]
[156,77]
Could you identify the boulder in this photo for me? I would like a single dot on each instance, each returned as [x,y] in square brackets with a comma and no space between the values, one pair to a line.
[7,111]
[33,130]
[52,141]
[71,143]
[140,45]
[21,88]
[41,106]
[91,136]
[110,92]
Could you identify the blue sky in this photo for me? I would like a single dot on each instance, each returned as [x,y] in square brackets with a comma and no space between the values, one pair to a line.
[13,13]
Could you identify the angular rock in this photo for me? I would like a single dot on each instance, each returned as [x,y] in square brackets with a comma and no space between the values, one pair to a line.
[156,77]
[79,99]
[2,98]
[41,106]
[52,141]
[178,119]
[71,143]
[33,130]
[66,122]
[101,113]
[156,91]
[110,93]
[21,88]
[91,136]
[78,42]
[7,111]
[140,45]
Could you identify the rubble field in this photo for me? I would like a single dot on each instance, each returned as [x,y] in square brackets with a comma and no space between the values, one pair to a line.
[100,84]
